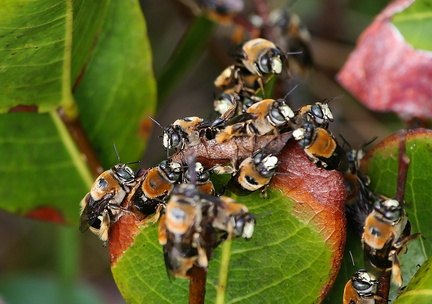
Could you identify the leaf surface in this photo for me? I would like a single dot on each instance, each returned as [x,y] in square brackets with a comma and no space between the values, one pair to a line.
[381,165]
[419,290]
[293,256]
[108,63]
[415,24]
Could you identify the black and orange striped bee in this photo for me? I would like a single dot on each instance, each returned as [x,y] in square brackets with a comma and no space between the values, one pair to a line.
[261,57]
[386,232]
[387,229]
[321,147]
[293,36]
[195,223]
[237,79]
[102,205]
[183,132]
[155,186]
[361,289]
[264,117]
[360,198]
[254,173]
[201,180]
[319,114]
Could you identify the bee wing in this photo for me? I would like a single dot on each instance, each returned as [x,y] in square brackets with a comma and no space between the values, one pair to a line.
[85,210]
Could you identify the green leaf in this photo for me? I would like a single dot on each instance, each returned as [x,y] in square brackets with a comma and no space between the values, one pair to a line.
[41,167]
[419,290]
[287,258]
[108,62]
[415,24]
[186,54]
[118,90]
[381,164]
[36,48]
[293,256]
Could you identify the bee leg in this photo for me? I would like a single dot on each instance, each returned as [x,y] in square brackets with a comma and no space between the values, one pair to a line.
[155,217]
[162,237]
[202,255]
[396,269]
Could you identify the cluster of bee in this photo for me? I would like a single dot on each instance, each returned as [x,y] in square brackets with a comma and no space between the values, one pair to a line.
[194,220]
[181,196]
[384,228]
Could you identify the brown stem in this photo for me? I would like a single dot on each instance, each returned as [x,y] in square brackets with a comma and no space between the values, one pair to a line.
[404,162]
[80,138]
[383,287]
[197,285]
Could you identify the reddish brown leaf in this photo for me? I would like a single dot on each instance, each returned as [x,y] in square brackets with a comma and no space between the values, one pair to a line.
[324,206]
[47,214]
[386,73]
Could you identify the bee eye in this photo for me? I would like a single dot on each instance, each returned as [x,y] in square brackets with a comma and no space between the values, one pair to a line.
[277,116]
[102,183]
[264,64]
[361,285]
[316,111]
[125,174]
[393,215]
[175,140]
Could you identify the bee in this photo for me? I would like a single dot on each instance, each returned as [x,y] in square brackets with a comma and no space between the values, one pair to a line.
[261,57]
[360,198]
[195,223]
[183,132]
[268,116]
[202,179]
[155,186]
[237,79]
[319,114]
[386,232]
[387,229]
[361,289]
[102,205]
[254,173]
[294,37]
[230,103]
[321,147]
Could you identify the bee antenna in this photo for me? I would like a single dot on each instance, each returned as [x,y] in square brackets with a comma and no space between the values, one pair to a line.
[135,162]
[116,152]
[156,122]
[369,142]
[290,91]
[294,53]
[345,142]
[352,259]
[327,100]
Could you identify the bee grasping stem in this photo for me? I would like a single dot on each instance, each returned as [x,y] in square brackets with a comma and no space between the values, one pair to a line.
[383,287]
[197,285]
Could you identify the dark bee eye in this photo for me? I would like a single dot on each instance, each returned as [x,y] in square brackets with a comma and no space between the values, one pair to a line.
[175,139]
[276,116]
[125,174]
[392,215]
[264,64]
[316,111]
[361,285]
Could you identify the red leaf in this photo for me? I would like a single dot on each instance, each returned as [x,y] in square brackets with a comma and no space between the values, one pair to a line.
[386,73]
